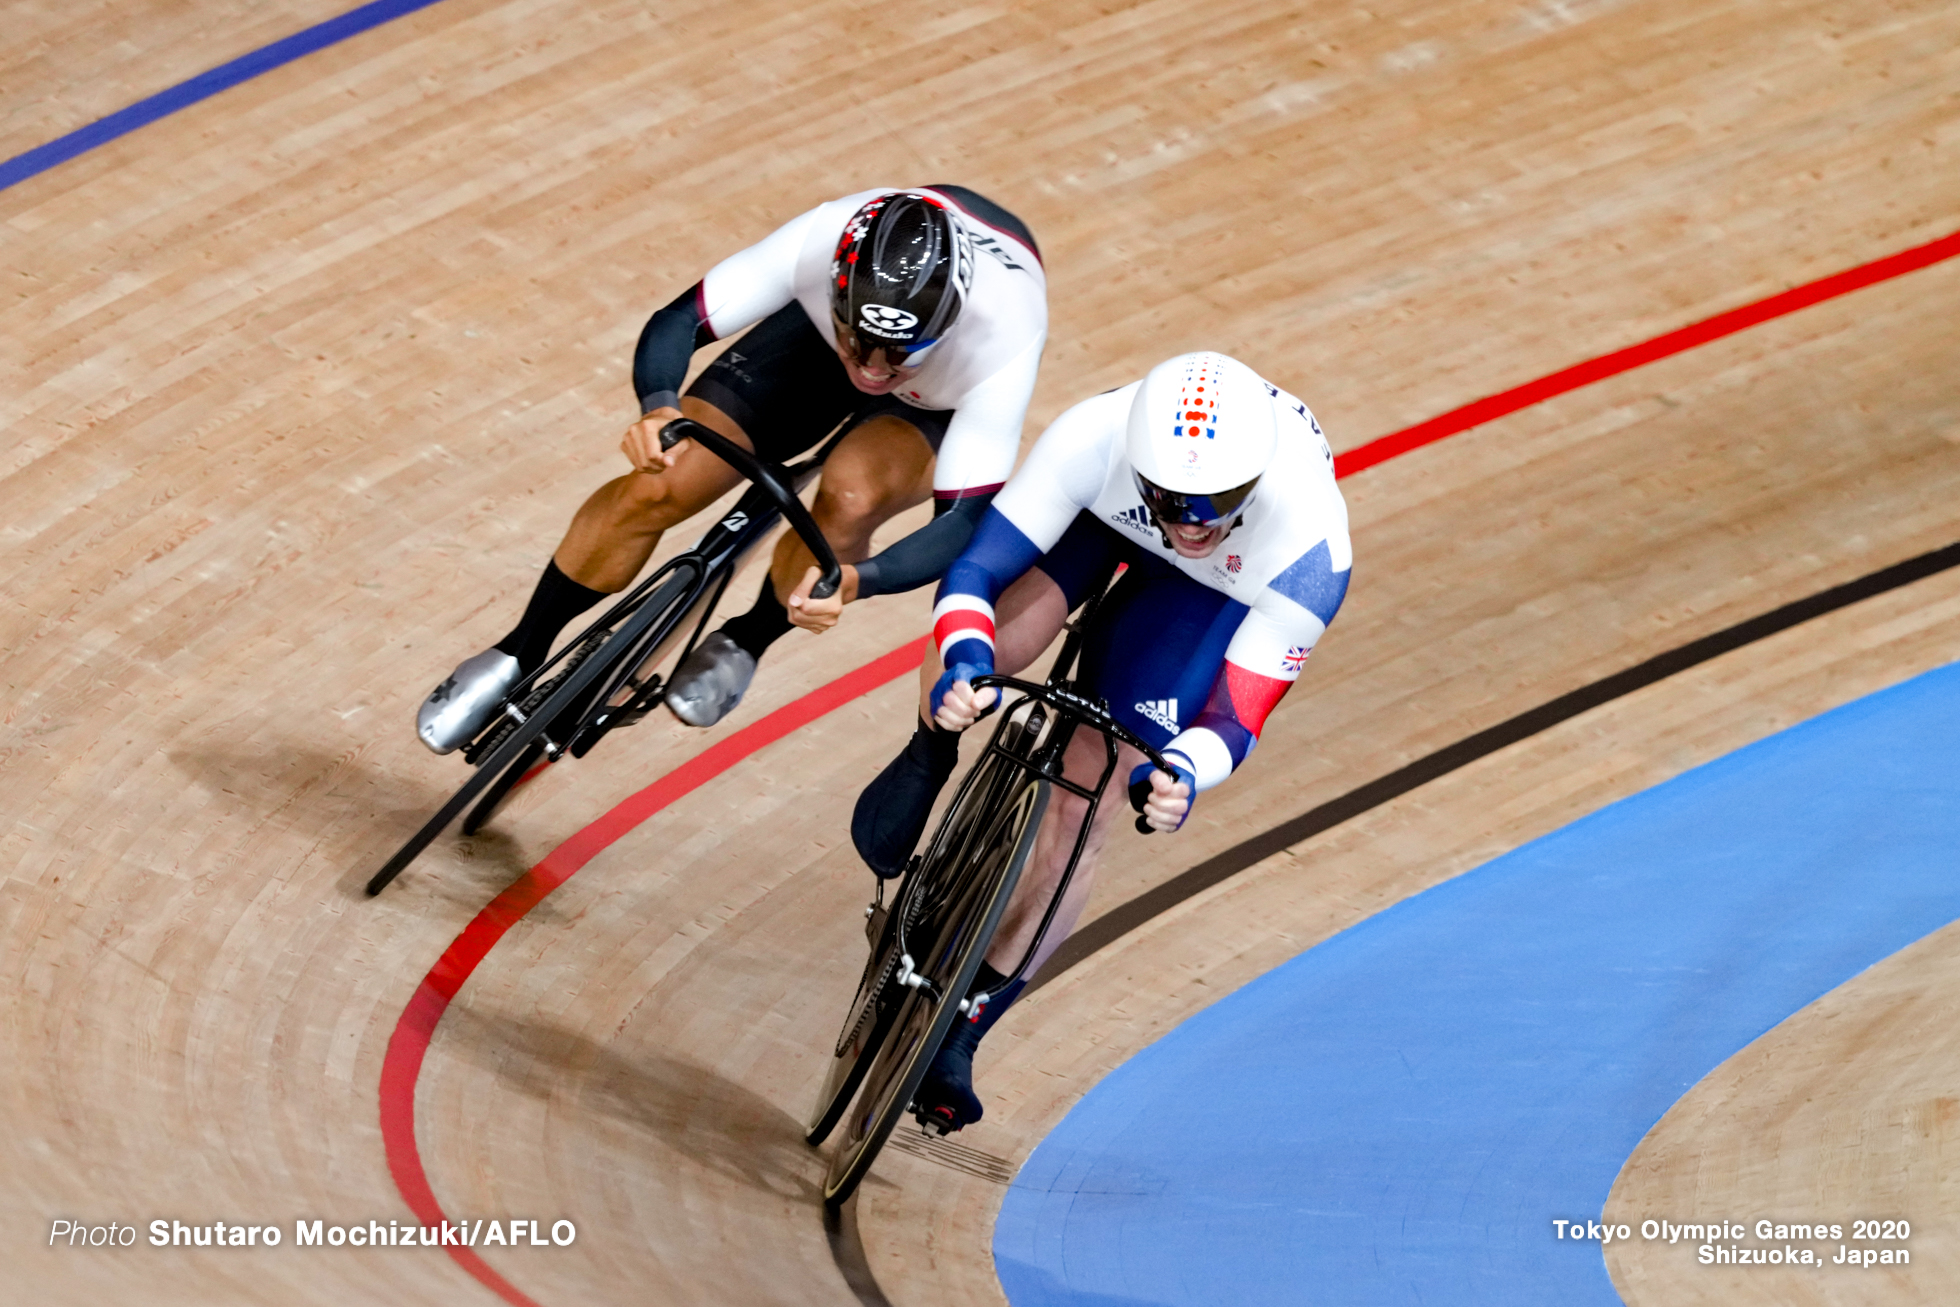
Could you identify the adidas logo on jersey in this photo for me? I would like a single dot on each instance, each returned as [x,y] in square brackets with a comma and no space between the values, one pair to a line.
[1137,519]
[1161,711]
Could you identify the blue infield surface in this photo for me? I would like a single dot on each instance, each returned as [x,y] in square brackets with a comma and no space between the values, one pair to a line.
[1398,1115]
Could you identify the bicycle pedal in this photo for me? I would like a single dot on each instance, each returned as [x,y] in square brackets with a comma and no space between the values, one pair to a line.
[934,1120]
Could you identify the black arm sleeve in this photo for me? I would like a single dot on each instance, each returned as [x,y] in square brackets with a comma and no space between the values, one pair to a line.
[667,342]
[924,555]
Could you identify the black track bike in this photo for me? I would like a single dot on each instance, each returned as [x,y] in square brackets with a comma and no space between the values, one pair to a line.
[606,677]
[928,942]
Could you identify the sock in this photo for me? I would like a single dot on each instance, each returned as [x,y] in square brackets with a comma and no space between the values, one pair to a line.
[762,625]
[556,601]
[891,813]
[987,979]
[949,1081]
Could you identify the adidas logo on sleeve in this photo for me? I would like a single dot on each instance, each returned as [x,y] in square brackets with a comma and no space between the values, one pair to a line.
[1161,711]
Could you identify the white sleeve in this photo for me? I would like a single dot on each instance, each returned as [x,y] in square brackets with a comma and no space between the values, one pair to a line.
[748,286]
[1065,470]
[1275,637]
[984,435]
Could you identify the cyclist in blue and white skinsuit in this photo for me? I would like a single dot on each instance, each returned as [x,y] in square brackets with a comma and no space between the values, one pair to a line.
[1217,489]
[911,320]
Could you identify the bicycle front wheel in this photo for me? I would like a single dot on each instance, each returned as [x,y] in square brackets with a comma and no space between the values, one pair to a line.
[970,892]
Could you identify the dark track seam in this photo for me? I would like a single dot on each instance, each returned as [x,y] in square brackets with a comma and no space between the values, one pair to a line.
[847,1248]
[840,1226]
[1126,917]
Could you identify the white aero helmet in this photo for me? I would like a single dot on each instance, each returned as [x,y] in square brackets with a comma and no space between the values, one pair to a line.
[1202,432]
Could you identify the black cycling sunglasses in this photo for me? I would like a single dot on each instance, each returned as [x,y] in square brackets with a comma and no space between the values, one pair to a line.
[859,348]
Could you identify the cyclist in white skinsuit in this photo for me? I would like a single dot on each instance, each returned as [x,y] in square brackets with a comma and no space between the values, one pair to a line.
[1217,490]
[913,319]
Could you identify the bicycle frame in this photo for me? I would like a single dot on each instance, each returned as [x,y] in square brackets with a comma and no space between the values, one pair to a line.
[712,559]
[504,741]
[1071,711]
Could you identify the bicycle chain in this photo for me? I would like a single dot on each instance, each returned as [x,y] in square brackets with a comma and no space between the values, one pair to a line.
[870,1005]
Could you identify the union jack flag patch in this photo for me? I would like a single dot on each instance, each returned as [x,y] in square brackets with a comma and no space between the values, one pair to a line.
[1295,657]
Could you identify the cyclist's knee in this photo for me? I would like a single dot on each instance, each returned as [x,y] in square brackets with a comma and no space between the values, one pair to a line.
[849,508]
[649,502]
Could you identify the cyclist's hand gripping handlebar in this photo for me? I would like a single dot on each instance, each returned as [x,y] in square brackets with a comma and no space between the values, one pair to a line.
[1140,788]
[772,481]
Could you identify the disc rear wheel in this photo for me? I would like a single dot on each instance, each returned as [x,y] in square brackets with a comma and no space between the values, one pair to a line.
[959,905]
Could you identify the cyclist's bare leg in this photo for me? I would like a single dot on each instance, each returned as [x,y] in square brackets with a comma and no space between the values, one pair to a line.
[891,813]
[609,541]
[615,531]
[879,470]
[1082,763]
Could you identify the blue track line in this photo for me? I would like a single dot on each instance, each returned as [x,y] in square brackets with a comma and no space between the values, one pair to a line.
[1399,1114]
[202,87]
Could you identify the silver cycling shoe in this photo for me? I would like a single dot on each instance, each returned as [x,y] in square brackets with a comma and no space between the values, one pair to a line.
[710,681]
[464,704]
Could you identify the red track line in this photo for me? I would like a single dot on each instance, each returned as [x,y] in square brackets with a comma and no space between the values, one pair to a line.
[402,1065]
[410,1042]
[1674,342]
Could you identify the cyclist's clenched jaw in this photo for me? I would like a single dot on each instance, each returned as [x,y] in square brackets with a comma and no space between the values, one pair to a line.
[876,373]
[1191,541]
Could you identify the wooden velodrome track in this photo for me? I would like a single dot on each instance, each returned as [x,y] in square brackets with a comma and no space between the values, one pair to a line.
[302,383]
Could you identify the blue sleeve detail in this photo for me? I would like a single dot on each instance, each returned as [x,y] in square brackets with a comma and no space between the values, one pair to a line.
[1140,785]
[1312,583]
[994,558]
[959,671]
[666,344]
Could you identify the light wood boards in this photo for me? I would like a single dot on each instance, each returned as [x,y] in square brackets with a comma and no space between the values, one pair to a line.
[1844,1112]
[301,385]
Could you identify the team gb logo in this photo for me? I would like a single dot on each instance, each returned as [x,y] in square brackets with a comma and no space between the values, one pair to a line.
[886,321]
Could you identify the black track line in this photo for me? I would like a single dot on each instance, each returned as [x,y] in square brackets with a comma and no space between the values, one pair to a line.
[847,1248]
[1126,917]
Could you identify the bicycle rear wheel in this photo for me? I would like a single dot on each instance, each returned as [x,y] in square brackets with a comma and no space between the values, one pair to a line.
[500,788]
[961,907]
[865,1025]
[560,703]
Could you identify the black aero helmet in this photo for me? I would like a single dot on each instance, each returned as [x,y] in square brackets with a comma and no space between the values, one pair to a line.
[899,277]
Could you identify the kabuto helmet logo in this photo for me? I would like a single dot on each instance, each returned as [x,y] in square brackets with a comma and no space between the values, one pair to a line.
[882,320]
[903,265]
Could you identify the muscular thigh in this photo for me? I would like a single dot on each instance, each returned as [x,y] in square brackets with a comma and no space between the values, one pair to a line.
[883,464]
[696,479]
[1030,614]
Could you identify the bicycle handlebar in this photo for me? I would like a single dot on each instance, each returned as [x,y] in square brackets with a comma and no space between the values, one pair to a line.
[1093,714]
[768,476]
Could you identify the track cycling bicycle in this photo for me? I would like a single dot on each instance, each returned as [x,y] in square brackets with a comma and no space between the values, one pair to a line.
[604,677]
[928,943]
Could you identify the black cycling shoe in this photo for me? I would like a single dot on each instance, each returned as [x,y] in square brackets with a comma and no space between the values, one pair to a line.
[891,814]
[946,1101]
